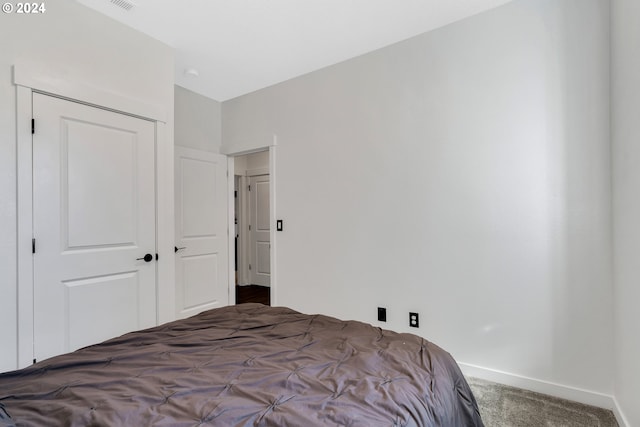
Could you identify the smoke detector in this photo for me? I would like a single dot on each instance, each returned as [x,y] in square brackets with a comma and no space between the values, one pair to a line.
[124,4]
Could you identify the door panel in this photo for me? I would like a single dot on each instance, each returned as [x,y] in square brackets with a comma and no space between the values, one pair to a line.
[98,191]
[259,236]
[93,216]
[201,231]
[118,310]
[197,291]
[263,261]
[199,197]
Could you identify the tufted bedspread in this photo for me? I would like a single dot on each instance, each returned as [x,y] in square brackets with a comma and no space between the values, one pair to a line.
[245,365]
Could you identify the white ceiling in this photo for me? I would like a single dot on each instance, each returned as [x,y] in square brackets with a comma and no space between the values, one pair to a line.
[239,46]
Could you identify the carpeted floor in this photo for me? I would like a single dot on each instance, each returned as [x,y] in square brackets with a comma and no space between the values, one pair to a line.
[504,406]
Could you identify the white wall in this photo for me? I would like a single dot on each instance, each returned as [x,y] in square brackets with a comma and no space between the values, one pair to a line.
[625,93]
[73,44]
[251,162]
[197,121]
[463,174]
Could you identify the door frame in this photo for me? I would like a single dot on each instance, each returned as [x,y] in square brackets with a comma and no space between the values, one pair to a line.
[241,214]
[272,218]
[29,80]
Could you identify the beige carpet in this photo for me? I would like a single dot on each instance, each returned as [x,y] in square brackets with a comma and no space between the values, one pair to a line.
[504,406]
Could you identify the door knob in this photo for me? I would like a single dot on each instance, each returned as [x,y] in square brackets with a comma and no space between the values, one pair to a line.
[176,249]
[146,258]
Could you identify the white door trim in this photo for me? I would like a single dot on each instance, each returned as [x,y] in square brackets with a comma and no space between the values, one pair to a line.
[25,227]
[239,227]
[243,216]
[272,219]
[165,220]
[272,207]
[164,196]
[256,172]
[231,229]
[31,76]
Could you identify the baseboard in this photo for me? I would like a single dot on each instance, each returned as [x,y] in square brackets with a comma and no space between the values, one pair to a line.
[617,411]
[552,389]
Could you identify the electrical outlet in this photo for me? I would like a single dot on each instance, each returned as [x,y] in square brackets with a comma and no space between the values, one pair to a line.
[382,314]
[414,320]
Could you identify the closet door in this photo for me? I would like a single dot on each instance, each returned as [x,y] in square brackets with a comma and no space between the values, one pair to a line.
[94,225]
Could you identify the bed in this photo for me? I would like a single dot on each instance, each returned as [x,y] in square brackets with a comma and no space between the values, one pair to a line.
[245,365]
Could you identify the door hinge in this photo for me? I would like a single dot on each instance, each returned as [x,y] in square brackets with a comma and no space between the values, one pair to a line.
[249,227]
[33,126]
[249,188]
[33,246]
[235,194]
[156,257]
[249,266]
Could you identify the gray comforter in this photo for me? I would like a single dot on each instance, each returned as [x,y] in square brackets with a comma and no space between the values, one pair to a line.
[245,365]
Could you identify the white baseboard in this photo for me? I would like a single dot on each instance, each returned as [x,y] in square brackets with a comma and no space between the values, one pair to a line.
[587,397]
[617,411]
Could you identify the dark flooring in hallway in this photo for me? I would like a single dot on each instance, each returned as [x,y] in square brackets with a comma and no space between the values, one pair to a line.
[253,293]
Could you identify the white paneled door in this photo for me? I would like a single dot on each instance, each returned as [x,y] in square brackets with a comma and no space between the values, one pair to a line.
[201,231]
[259,233]
[93,223]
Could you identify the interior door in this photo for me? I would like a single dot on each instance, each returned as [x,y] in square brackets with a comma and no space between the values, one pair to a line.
[259,233]
[93,220]
[202,267]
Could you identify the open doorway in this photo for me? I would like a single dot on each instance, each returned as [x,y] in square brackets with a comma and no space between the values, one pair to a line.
[252,228]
